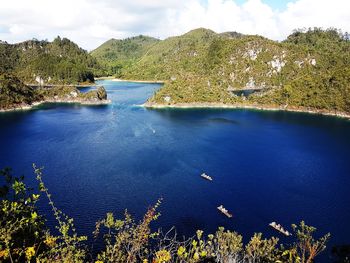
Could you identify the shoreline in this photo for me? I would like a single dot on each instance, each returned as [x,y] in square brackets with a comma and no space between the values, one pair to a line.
[25,107]
[244,106]
[139,81]
[131,80]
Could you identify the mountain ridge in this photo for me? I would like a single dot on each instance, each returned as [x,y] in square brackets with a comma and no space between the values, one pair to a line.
[309,70]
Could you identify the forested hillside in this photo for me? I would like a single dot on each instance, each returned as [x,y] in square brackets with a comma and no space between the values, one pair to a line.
[117,55]
[60,61]
[14,92]
[309,70]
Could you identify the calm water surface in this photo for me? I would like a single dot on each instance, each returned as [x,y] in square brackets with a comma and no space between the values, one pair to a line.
[267,166]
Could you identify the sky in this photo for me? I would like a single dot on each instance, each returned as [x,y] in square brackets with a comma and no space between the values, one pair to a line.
[89,23]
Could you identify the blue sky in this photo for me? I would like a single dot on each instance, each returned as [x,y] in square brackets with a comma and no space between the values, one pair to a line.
[275,4]
[92,22]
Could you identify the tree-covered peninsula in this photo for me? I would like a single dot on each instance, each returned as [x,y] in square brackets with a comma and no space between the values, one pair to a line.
[40,71]
[14,94]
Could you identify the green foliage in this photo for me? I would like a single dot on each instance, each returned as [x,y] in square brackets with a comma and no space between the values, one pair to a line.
[60,61]
[259,249]
[13,92]
[309,70]
[117,54]
[67,246]
[125,240]
[21,228]
[317,37]
[307,247]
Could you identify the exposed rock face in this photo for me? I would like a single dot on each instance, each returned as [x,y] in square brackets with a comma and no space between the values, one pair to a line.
[39,80]
[277,64]
[74,94]
[313,62]
[250,84]
[252,53]
[167,98]
[101,93]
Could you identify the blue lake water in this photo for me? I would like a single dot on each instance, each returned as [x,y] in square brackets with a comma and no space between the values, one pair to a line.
[267,166]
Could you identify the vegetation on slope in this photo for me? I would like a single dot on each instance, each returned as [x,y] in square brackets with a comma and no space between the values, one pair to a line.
[60,61]
[15,94]
[24,237]
[117,54]
[309,70]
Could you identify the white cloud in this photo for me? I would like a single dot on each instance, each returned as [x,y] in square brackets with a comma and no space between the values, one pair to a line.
[310,13]
[91,22]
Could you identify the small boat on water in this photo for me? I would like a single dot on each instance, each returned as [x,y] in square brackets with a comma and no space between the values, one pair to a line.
[207,177]
[223,210]
[280,229]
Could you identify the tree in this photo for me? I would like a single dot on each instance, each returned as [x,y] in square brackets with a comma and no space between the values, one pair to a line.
[308,247]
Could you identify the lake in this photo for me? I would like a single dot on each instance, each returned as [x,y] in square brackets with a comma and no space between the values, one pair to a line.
[266,166]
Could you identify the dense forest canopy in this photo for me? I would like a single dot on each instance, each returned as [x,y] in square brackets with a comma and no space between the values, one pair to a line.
[117,54]
[59,61]
[13,92]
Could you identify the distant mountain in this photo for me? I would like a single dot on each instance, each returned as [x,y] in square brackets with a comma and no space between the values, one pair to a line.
[116,54]
[232,34]
[60,61]
[309,70]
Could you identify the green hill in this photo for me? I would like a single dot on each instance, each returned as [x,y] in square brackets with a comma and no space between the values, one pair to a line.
[117,54]
[60,61]
[309,70]
[13,92]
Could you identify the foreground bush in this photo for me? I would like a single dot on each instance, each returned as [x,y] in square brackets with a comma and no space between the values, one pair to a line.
[24,237]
